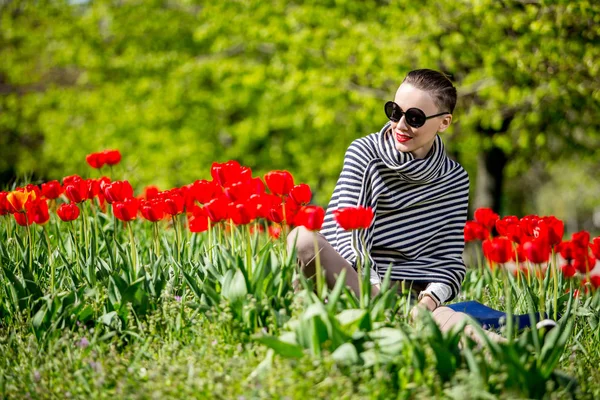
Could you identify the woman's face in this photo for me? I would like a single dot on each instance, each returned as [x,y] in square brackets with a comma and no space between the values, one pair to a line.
[417,141]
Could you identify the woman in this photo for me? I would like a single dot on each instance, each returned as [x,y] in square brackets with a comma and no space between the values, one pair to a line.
[419,197]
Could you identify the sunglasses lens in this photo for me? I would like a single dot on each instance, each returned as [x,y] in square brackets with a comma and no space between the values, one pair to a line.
[415,117]
[393,111]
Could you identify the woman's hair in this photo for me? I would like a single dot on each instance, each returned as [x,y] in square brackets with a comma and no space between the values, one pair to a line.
[437,84]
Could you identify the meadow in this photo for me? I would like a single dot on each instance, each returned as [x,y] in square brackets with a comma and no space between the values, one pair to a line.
[105,293]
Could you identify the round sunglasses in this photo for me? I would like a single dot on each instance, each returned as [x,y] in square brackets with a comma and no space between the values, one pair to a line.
[414,116]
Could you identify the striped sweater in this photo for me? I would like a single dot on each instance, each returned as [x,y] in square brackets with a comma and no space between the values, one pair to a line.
[420,208]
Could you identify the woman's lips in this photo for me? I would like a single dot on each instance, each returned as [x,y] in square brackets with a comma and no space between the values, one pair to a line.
[402,138]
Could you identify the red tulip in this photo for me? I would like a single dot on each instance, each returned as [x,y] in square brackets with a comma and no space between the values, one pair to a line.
[301,194]
[311,217]
[70,179]
[152,210]
[279,183]
[68,212]
[354,217]
[25,218]
[51,190]
[283,212]
[595,281]
[5,206]
[96,160]
[486,217]
[173,203]
[217,209]
[112,157]
[127,209]
[581,239]
[568,270]
[537,251]
[228,172]
[40,211]
[150,192]
[275,231]
[33,188]
[509,227]
[556,229]
[118,191]
[239,191]
[204,191]
[475,231]
[242,213]
[595,246]
[498,249]
[263,203]
[77,190]
[198,220]
[584,263]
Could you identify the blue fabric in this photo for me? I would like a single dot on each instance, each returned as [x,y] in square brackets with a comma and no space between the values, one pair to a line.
[488,317]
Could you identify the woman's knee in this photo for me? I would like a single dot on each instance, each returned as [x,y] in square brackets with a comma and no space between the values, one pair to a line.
[304,242]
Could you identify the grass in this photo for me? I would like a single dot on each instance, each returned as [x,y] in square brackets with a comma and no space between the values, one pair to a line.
[217,317]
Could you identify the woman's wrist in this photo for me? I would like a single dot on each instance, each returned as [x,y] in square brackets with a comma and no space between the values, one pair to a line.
[428,301]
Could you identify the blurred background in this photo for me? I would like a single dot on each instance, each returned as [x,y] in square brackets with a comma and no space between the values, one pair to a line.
[175,85]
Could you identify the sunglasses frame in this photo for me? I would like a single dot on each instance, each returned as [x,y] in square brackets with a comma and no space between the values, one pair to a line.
[399,109]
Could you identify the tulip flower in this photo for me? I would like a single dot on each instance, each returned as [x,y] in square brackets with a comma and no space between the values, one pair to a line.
[5,206]
[19,199]
[595,247]
[25,218]
[556,229]
[581,239]
[40,211]
[568,270]
[204,191]
[475,231]
[117,191]
[150,192]
[584,263]
[354,217]
[498,249]
[311,217]
[198,220]
[51,190]
[127,209]
[301,194]
[228,172]
[275,231]
[77,190]
[68,212]
[217,209]
[486,217]
[153,210]
[241,213]
[537,250]
[96,160]
[283,213]
[509,226]
[595,281]
[239,191]
[111,157]
[279,183]
[173,203]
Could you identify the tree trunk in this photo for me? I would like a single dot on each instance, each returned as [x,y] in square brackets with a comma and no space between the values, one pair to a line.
[490,178]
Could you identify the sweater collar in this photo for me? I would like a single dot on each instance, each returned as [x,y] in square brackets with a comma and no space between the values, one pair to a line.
[415,170]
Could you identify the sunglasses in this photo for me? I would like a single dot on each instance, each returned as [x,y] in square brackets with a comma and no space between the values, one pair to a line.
[414,117]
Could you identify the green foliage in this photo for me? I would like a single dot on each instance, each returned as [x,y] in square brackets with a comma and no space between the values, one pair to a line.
[284,85]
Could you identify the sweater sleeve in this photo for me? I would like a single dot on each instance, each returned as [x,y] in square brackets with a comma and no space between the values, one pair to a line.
[351,190]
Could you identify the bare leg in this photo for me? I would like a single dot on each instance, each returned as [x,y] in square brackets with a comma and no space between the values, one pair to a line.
[331,261]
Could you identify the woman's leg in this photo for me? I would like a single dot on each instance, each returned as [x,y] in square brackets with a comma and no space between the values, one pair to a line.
[331,261]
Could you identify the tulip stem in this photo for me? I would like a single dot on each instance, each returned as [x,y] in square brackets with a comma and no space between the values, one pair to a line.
[30,240]
[133,252]
[318,268]
[509,310]
[156,240]
[176,235]
[210,244]
[555,279]
[49,259]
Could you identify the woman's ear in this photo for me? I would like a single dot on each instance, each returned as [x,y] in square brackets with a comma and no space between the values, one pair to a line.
[446,121]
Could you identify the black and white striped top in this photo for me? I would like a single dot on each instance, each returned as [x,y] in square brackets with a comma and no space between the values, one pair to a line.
[420,208]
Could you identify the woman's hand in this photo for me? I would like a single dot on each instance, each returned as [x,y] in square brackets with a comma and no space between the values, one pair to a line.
[425,303]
